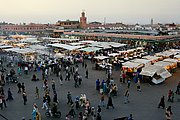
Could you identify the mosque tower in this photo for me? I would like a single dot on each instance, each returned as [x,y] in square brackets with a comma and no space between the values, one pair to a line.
[83,20]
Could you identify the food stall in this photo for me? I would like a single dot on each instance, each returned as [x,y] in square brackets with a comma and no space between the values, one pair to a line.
[168,53]
[167,65]
[172,61]
[153,59]
[155,74]
[177,57]
[102,62]
[20,45]
[131,67]
[27,54]
[142,61]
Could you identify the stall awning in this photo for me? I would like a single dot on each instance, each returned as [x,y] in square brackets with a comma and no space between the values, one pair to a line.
[38,47]
[64,46]
[113,54]
[152,69]
[21,51]
[130,64]
[151,58]
[101,57]
[162,64]
[141,61]
[149,70]
[90,49]
[177,56]
[170,60]
[5,47]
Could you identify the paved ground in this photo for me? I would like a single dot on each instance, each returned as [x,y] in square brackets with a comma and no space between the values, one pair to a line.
[142,105]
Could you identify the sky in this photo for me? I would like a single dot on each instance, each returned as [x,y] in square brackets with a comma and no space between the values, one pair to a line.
[125,11]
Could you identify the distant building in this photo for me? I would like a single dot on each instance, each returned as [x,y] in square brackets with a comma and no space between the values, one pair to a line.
[94,25]
[83,21]
[171,26]
[24,28]
[68,24]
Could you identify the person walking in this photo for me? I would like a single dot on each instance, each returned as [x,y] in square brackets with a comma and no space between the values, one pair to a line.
[19,87]
[55,98]
[85,65]
[99,109]
[138,86]
[124,77]
[34,114]
[23,87]
[130,117]
[86,74]
[169,95]
[61,79]
[25,98]
[110,103]
[69,98]
[37,92]
[162,102]
[10,97]
[172,96]
[53,85]
[168,113]
[178,89]
[3,100]
[126,96]
[102,101]
[128,83]
[97,84]
[44,103]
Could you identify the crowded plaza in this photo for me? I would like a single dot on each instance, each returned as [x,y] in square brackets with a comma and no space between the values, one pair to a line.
[74,79]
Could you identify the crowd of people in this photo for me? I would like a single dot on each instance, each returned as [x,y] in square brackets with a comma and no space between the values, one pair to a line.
[66,72]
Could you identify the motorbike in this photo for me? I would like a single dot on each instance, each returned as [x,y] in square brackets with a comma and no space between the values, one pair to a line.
[12,78]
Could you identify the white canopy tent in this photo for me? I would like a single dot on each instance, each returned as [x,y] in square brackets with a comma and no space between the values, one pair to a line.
[37,47]
[90,49]
[30,40]
[131,64]
[64,46]
[162,64]
[170,60]
[101,57]
[177,56]
[21,51]
[141,61]
[151,70]
[113,54]
[151,58]
[87,41]
[6,47]
[76,43]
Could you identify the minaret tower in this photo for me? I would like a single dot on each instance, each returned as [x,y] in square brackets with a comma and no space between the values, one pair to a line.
[83,20]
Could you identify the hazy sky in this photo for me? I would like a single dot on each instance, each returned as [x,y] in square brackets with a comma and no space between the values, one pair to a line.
[126,11]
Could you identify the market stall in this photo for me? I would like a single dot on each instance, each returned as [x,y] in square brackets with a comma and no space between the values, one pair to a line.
[167,65]
[131,66]
[155,74]
[172,61]
[153,59]
[142,61]
[177,57]
[168,53]
[27,54]
[102,62]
